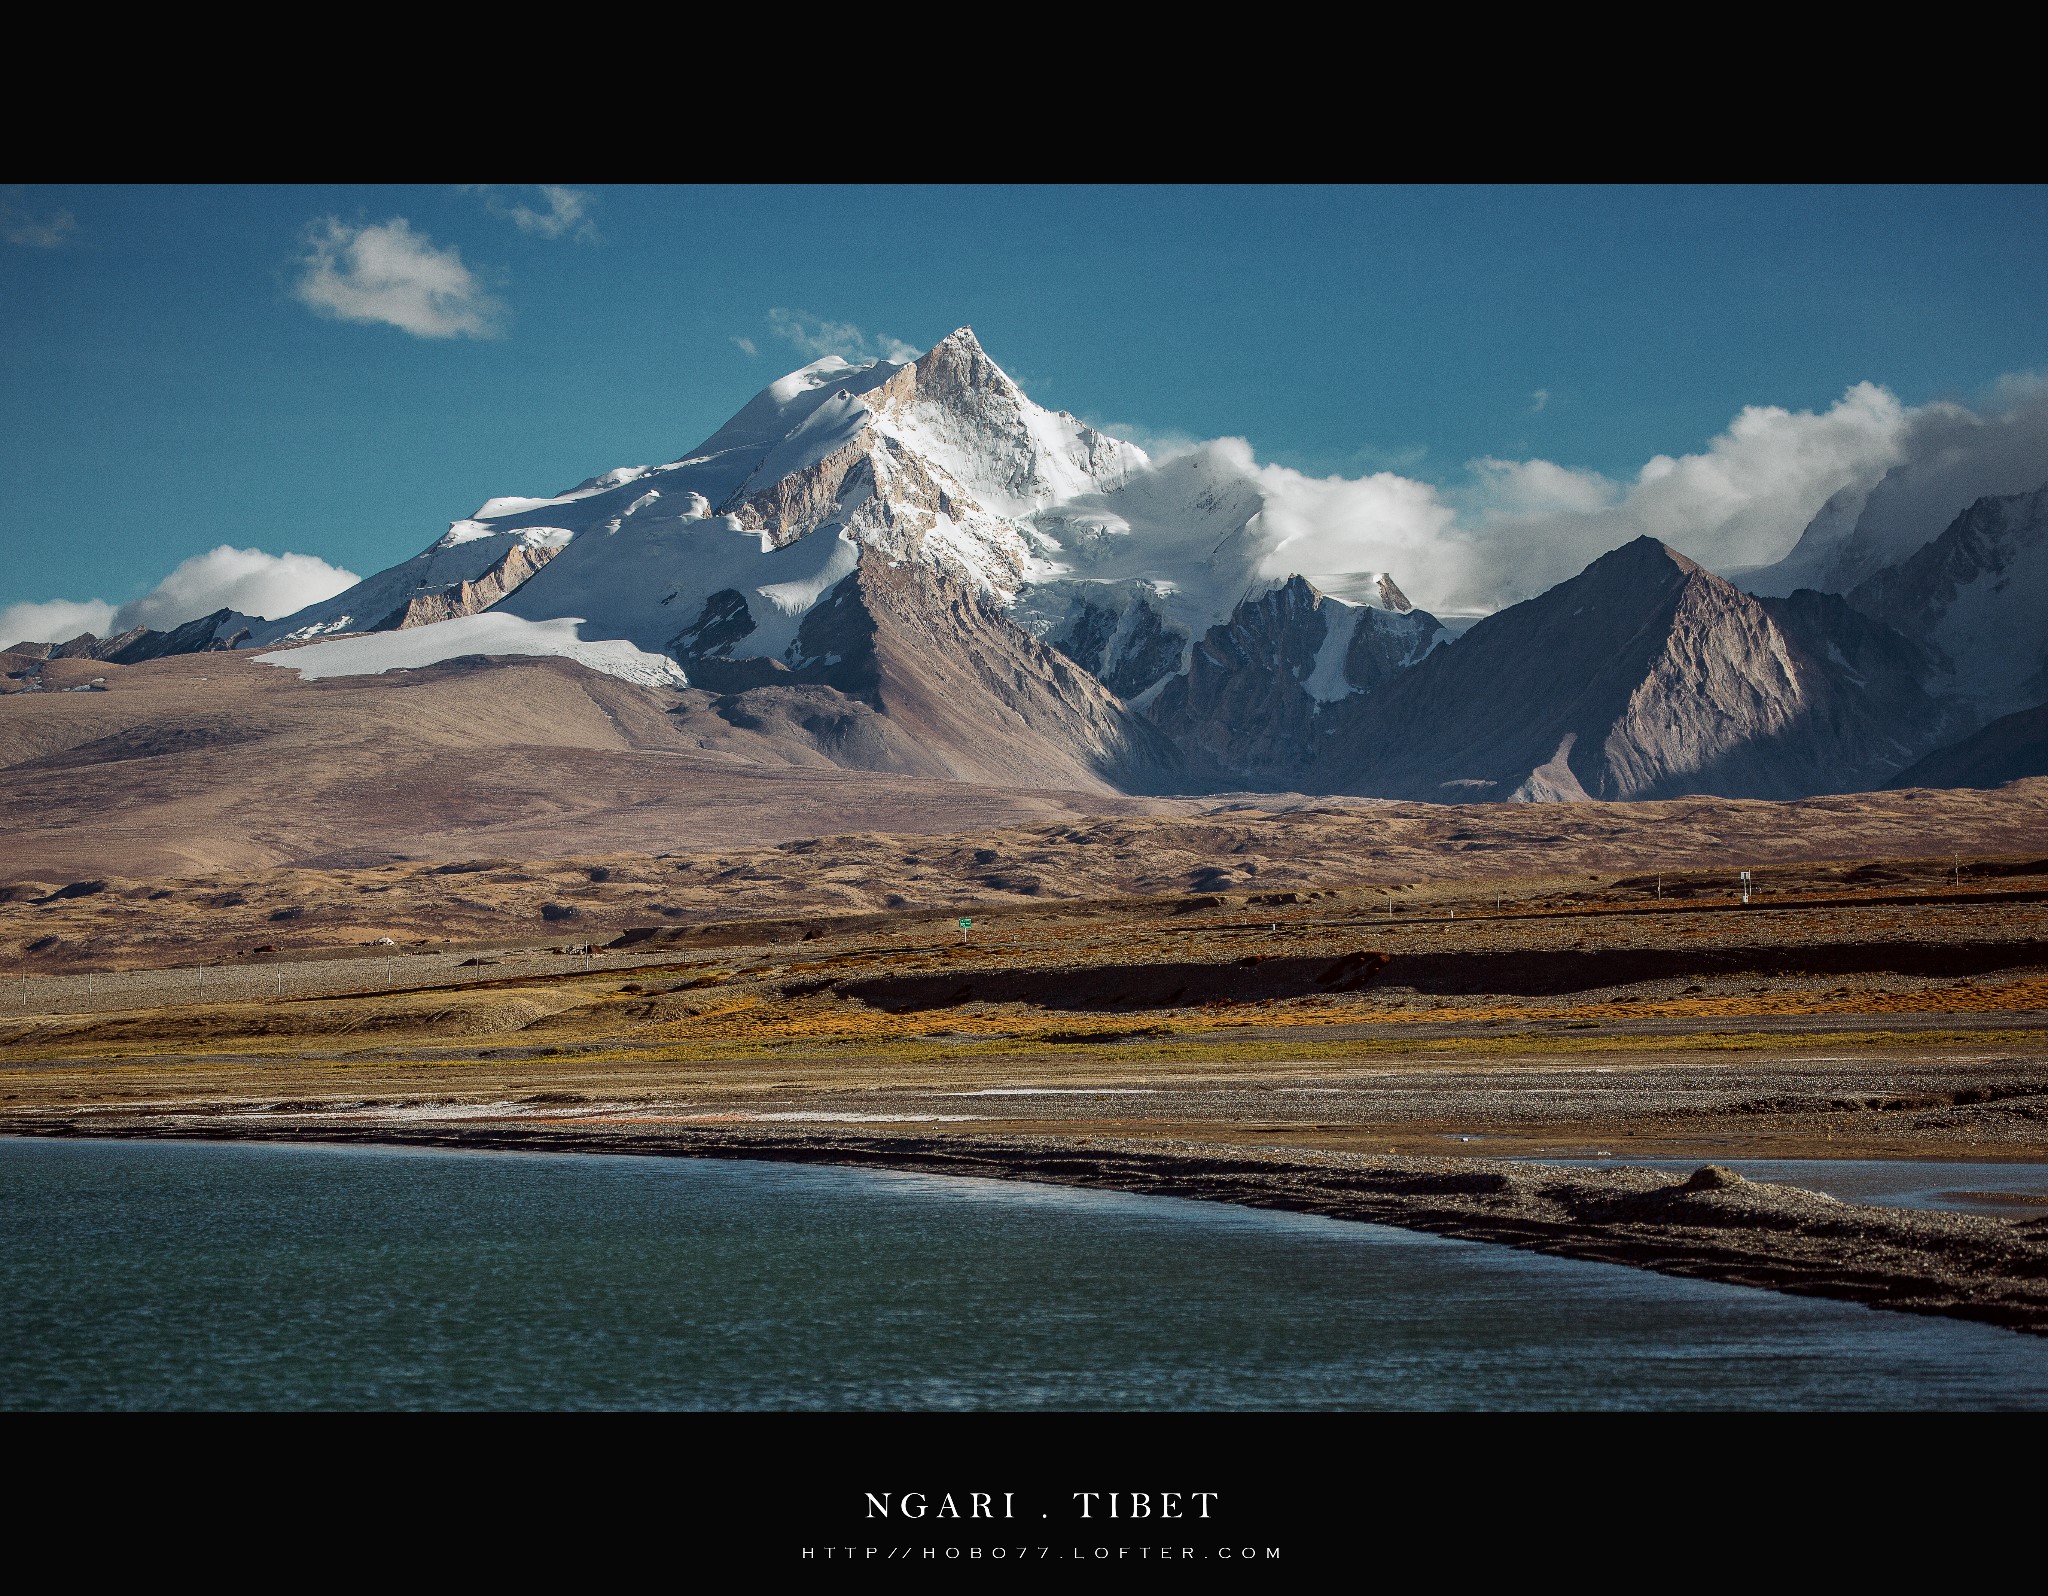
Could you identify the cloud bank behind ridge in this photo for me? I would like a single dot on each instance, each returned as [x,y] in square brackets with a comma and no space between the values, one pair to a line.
[1508,529]
[248,580]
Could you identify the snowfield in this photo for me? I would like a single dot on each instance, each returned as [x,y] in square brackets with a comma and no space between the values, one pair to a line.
[493,632]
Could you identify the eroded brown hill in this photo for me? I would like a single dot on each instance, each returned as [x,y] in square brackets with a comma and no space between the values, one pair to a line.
[215,761]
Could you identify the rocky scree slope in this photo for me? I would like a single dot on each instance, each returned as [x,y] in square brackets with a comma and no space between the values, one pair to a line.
[1644,676]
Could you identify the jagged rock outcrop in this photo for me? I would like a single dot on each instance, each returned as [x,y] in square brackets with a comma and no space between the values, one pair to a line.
[88,645]
[223,629]
[1117,634]
[447,580]
[705,647]
[1250,708]
[1645,676]
[469,595]
[1977,594]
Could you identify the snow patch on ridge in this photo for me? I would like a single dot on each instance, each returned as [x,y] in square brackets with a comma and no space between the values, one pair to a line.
[793,598]
[468,530]
[492,632]
[1327,681]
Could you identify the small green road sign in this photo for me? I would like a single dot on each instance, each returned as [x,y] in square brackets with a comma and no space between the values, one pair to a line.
[966,925]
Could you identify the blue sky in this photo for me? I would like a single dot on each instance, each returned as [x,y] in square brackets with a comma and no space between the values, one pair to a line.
[169,383]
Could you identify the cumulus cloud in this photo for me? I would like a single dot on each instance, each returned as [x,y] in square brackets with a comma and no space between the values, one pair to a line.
[817,337]
[388,273]
[1329,528]
[1741,501]
[563,210]
[248,580]
[54,621]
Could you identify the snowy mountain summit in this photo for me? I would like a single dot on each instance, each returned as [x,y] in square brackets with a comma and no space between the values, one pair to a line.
[943,462]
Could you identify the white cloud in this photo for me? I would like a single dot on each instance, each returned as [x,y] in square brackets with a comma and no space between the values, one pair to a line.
[1511,528]
[567,211]
[747,345]
[1158,445]
[1330,527]
[1538,400]
[388,273]
[817,337]
[1741,501]
[54,621]
[248,580]
[269,585]
[36,232]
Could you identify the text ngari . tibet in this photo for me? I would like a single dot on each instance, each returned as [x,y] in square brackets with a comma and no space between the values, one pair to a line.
[1003,1504]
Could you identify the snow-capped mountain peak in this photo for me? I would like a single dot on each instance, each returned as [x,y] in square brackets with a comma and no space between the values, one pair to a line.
[942,461]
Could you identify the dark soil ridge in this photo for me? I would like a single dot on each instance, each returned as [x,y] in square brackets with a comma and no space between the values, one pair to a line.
[1543,971]
[1108,987]
[1532,973]
[1713,1225]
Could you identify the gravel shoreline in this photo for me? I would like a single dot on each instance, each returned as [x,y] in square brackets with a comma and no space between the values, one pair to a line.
[1711,1225]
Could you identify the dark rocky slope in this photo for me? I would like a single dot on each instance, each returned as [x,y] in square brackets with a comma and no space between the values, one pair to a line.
[1252,707]
[1978,596]
[2011,748]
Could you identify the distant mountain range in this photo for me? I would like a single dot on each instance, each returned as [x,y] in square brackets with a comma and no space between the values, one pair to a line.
[909,567]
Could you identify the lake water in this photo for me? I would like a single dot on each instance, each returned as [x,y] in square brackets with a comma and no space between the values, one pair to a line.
[223,1275]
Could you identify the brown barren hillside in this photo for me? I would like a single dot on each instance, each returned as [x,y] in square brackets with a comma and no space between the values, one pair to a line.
[216,761]
[212,763]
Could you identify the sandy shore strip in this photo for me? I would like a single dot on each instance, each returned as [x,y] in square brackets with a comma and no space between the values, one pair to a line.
[1710,1225]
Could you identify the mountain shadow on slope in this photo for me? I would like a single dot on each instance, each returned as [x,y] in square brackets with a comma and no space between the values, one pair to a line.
[2009,749]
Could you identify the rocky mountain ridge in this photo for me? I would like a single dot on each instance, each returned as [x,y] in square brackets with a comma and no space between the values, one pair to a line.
[1249,707]
[1644,676]
[1978,595]
[908,566]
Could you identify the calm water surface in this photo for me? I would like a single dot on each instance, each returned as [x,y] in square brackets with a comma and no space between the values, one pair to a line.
[175,1275]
